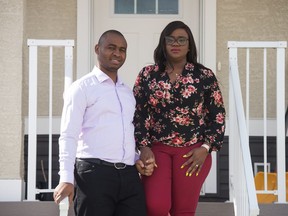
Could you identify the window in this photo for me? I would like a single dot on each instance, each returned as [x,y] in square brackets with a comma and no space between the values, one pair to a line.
[146,6]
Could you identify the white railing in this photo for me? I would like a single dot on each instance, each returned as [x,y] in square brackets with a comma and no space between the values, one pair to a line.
[33,44]
[64,207]
[241,179]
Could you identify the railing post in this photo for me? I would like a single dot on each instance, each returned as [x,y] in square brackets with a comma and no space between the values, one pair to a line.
[232,127]
[32,131]
[64,207]
[248,203]
[68,64]
[281,165]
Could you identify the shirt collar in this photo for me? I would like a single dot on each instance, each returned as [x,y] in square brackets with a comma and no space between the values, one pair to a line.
[102,77]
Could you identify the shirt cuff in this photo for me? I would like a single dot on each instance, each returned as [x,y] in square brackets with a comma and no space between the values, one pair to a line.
[66,177]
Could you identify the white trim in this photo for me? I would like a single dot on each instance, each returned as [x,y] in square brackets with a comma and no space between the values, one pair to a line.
[210,184]
[257,44]
[32,130]
[85,37]
[255,128]
[43,125]
[281,144]
[208,33]
[153,16]
[12,190]
[48,43]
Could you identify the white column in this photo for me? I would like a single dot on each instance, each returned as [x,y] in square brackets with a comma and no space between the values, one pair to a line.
[85,46]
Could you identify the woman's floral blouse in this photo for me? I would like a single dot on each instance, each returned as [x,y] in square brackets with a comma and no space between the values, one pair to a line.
[178,114]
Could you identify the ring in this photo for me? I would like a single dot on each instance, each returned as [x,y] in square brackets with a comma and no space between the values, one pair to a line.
[196,165]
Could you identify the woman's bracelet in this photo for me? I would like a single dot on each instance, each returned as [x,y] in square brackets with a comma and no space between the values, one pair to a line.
[207,147]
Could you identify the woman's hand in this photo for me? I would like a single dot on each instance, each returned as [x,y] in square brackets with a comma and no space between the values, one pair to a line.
[144,169]
[196,159]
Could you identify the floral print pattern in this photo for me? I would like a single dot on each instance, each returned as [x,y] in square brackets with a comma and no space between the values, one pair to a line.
[178,114]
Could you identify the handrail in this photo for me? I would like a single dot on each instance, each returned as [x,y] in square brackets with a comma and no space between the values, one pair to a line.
[246,204]
[64,207]
[33,45]
[244,196]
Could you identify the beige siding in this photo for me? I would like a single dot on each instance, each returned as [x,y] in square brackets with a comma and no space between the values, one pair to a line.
[20,20]
[11,41]
[49,19]
[252,20]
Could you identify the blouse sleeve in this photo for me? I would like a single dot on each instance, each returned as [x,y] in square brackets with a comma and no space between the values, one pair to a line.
[141,116]
[215,113]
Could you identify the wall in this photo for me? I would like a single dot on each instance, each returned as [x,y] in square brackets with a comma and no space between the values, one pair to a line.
[243,20]
[20,20]
[252,20]
[12,14]
[49,19]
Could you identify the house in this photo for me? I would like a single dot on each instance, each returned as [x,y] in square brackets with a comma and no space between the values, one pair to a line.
[213,22]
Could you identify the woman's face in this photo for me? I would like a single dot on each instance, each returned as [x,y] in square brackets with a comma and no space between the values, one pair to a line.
[177,45]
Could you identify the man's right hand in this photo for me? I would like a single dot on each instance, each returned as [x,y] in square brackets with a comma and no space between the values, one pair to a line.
[63,190]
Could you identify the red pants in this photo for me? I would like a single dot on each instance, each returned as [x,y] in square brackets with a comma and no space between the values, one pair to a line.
[169,190]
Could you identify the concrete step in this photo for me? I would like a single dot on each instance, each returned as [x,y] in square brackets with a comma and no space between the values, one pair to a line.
[48,208]
[215,209]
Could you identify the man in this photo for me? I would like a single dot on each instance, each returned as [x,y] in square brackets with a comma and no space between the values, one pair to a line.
[97,138]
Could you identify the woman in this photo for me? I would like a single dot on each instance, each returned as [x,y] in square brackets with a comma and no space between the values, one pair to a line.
[179,120]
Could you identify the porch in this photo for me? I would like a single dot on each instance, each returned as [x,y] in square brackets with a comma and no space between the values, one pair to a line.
[239,176]
[48,208]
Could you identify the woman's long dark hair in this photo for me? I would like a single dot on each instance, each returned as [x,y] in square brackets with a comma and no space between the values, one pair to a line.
[160,56]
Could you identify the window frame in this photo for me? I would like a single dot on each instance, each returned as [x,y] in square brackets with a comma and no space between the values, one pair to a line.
[113,14]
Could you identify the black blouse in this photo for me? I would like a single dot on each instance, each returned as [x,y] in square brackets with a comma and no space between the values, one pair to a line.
[178,114]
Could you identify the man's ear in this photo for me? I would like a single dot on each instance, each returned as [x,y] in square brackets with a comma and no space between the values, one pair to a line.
[97,49]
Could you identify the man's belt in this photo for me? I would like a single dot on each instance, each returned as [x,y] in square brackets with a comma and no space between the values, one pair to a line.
[118,165]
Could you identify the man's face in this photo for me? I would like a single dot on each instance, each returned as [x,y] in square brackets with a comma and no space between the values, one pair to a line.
[111,52]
